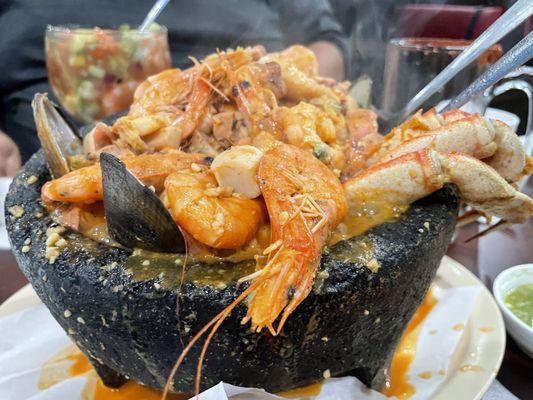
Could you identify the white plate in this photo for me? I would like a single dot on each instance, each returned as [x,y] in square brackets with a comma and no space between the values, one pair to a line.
[480,349]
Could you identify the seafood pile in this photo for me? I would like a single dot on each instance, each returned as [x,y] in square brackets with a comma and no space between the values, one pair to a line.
[253,153]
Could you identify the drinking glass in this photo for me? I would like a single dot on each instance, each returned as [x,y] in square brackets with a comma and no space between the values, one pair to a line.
[411,63]
[94,72]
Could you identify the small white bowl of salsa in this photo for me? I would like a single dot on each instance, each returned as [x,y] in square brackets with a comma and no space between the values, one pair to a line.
[513,290]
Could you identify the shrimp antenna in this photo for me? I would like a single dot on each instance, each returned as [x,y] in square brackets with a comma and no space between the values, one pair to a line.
[216,321]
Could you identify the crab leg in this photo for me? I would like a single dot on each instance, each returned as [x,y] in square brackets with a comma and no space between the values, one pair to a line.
[473,135]
[492,141]
[412,176]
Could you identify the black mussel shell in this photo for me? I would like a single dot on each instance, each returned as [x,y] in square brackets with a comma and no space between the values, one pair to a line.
[59,139]
[136,217]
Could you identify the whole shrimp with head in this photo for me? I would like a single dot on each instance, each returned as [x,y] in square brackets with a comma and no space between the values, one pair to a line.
[305,201]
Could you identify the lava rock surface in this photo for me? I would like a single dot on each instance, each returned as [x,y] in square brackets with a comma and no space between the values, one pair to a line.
[349,324]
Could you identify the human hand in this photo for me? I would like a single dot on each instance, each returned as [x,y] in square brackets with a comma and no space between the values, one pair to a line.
[9,156]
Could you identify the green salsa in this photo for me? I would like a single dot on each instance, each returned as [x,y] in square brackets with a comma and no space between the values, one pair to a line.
[520,302]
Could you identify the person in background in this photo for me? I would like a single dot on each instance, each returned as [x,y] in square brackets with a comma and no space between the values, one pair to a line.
[9,156]
[195,28]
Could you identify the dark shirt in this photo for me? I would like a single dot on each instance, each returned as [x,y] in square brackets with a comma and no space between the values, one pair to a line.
[195,28]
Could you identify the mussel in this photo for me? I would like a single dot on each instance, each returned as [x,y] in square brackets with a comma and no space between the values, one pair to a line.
[58,138]
[135,216]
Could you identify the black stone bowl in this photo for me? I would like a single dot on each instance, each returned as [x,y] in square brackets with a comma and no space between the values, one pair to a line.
[132,328]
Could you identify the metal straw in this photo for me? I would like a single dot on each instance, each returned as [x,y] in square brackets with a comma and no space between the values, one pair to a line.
[521,53]
[153,14]
[513,17]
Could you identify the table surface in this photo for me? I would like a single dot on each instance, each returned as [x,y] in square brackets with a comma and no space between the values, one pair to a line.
[485,257]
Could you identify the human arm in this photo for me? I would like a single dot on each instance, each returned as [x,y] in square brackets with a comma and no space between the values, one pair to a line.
[9,156]
[330,59]
[312,22]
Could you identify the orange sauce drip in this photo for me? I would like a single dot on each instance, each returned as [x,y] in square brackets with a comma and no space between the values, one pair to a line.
[311,390]
[425,375]
[458,327]
[81,364]
[129,391]
[70,363]
[470,367]
[404,355]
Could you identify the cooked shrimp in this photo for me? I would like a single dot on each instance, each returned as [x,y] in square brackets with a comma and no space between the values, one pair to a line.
[167,87]
[209,213]
[311,128]
[115,150]
[298,68]
[181,98]
[256,89]
[84,185]
[188,121]
[305,201]
[167,125]
[172,86]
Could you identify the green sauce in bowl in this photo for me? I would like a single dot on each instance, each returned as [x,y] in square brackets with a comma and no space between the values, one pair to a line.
[520,301]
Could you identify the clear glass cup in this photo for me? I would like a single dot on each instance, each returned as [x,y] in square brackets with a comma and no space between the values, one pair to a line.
[411,63]
[94,72]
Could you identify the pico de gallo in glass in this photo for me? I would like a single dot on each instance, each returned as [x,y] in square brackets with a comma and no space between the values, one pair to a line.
[94,72]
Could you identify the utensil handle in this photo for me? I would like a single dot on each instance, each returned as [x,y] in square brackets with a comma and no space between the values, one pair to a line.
[521,79]
[153,14]
[515,15]
[514,58]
